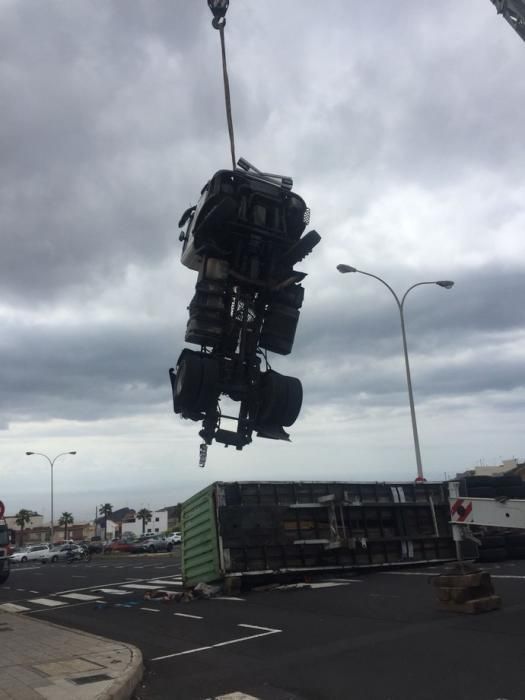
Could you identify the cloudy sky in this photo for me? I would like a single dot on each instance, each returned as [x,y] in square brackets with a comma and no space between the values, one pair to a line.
[401,124]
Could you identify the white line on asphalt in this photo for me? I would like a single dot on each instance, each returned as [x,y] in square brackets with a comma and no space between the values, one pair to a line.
[268,631]
[234,696]
[26,568]
[167,583]
[506,576]
[228,597]
[193,617]
[407,573]
[20,589]
[140,586]
[347,580]
[150,609]
[110,583]
[80,596]
[11,607]
[110,591]
[34,592]
[46,601]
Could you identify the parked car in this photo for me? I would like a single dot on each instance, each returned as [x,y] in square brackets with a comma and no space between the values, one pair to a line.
[152,544]
[174,538]
[30,553]
[119,546]
[62,553]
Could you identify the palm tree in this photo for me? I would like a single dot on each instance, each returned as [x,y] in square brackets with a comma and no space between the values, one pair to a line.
[22,518]
[66,519]
[106,509]
[145,515]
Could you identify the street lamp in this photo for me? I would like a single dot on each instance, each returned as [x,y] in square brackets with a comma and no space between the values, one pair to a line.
[446,284]
[51,463]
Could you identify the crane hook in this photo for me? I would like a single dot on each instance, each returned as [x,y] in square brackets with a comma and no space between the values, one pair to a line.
[218,8]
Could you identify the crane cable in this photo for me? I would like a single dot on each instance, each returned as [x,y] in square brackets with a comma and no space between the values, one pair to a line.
[218,8]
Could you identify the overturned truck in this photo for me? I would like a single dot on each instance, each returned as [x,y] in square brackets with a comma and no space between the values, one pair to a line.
[262,530]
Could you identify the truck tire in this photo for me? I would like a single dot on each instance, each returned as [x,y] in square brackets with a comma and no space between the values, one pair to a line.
[491,555]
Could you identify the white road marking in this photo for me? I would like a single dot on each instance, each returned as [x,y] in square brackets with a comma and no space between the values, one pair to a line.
[506,576]
[407,573]
[268,631]
[141,586]
[11,607]
[46,602]
[80,596]
[167,583]
[227,597]
[34,592]
[234,696]
[150,609]
[111,591]
[193,617]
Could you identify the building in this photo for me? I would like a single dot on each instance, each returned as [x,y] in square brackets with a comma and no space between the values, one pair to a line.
[118,523]
[37,520]
[173,516]
[509,467]
[157,525]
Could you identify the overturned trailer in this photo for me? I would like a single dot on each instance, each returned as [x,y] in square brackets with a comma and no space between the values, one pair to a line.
[289,528]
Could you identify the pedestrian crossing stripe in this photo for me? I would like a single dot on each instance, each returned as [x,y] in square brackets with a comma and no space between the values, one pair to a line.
[47,602]
[80,596]
[11,607]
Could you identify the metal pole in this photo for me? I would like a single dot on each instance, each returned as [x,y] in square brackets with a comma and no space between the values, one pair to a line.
[51,463]
[447,284]
[411,397]
[52,514]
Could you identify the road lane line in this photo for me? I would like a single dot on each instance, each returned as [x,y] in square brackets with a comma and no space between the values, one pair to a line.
[80,596]
[166,583]
[150,609]
[11,607]
[111,591]
[238,640]
[228,597]
[193,617]
[141,586]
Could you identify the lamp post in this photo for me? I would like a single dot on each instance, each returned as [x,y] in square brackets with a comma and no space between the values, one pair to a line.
[446,284]
[51,464]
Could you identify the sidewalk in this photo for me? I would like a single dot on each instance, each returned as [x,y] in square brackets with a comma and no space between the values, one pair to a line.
[42,660]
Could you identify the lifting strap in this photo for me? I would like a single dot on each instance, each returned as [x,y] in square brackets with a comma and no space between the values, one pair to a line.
[218,8]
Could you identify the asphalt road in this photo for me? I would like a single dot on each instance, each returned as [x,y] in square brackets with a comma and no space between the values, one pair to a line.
[372,637]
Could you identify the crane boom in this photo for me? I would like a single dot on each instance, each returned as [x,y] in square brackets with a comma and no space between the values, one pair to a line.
[514,12]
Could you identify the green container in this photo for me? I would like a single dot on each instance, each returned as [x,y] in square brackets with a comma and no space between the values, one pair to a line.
[200,541]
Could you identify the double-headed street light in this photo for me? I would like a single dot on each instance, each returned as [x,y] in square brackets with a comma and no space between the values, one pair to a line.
[446,284]
[51,463]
